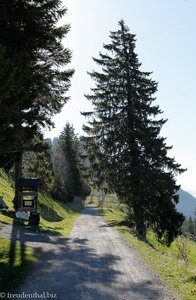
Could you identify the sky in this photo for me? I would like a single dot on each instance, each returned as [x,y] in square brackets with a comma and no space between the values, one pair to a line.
[166,45]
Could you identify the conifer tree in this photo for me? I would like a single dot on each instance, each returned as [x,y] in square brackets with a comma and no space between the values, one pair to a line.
[34,80]
[126,127]
[60,171]
[38,164]
[66,165]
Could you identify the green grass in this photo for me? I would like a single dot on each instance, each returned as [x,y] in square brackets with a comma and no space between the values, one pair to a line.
[165,261]
[7,191]
[56,217]
[16,261]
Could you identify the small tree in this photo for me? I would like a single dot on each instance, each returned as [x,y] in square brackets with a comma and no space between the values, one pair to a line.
[183,246]
[69,182]
[95,172]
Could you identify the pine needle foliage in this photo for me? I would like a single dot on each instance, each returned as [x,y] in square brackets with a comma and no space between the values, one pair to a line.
[127,128]
[33,71]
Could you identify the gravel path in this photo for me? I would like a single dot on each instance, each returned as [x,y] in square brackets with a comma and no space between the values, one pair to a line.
[94,263]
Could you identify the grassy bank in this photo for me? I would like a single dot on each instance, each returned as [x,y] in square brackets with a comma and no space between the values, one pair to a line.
[165,261]
[7,191]
[55,216]
[16,259]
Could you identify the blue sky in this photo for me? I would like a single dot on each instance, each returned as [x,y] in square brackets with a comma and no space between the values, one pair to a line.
[166,45]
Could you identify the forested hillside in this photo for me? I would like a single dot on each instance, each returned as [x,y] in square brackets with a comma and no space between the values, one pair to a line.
[187,204]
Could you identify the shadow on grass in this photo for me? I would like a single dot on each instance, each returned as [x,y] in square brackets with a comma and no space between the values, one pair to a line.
[49,214]
[192,279]
[71,207]
[18,261]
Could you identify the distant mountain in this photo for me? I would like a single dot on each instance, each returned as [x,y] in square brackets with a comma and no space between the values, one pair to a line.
[193,193]
[187,204]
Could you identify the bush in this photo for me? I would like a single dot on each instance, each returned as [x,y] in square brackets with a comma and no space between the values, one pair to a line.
[183,248]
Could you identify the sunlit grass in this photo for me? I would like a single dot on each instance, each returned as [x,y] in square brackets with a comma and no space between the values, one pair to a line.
[7,191]
[16,261]
[56,217]
[165,261]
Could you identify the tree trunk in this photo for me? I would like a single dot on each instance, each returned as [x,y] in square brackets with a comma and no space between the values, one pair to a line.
[103,198]
[139,222]
[18,174]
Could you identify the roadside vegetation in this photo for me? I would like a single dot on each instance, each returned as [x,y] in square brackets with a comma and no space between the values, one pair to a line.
[177,271]
[56,216]
[15,263]
[17,259]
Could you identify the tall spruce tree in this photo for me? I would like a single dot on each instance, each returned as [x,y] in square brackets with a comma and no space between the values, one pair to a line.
[127,131]
[34,80]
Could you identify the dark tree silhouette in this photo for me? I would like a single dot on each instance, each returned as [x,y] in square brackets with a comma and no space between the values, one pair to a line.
[125,126]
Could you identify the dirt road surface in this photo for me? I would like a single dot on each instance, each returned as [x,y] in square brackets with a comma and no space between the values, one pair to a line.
[94,263]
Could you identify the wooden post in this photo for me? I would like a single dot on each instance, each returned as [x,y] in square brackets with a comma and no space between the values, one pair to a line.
[103,198]
[18,174]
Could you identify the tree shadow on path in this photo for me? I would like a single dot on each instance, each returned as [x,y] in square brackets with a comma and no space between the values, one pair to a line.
[79,273]
[16,264]
[75,269]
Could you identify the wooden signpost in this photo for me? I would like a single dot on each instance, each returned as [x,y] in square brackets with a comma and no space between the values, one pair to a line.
[27,197]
